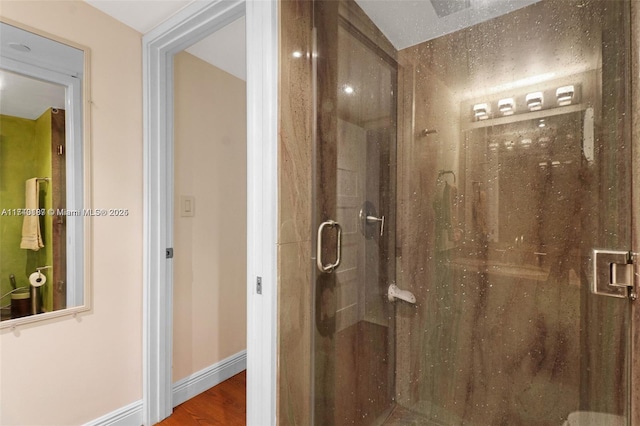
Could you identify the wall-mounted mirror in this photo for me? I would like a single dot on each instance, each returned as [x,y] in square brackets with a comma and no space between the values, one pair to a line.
[524,163]
[42,213]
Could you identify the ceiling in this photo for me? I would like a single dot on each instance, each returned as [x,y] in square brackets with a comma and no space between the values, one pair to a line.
[410,22]
[28,97]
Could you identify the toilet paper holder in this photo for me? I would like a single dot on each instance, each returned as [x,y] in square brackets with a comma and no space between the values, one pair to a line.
[37,279]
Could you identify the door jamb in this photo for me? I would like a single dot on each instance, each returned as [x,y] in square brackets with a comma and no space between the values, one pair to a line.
[188,26]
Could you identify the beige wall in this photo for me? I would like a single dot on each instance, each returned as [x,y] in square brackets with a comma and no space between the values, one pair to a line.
[210,247]
[70,371]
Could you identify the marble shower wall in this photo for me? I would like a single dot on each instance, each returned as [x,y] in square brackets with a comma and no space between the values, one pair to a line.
[294,238]
[512,338]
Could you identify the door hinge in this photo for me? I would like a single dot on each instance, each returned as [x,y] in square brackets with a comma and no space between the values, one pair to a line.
[60,149]
[169,253]
[615,273]
[259,285]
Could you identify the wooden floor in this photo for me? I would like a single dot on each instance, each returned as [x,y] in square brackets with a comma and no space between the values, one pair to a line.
[225,404]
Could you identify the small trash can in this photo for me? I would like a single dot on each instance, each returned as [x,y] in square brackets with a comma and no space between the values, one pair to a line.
[20,303]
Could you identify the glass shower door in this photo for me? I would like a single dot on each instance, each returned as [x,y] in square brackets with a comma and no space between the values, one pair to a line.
[355,221]
[509,139]
[528,173]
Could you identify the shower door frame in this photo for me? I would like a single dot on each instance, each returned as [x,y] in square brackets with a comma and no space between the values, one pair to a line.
[634,385]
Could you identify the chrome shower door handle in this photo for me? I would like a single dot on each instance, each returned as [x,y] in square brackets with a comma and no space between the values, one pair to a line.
[329,267]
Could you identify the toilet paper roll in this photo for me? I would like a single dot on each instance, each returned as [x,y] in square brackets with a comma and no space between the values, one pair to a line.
[37,279]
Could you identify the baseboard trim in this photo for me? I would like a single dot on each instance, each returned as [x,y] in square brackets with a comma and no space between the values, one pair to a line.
[198,382]
[126,416]
[183,390]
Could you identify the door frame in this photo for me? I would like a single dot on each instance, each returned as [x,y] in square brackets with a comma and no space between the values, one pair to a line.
[193,23]
[635,211]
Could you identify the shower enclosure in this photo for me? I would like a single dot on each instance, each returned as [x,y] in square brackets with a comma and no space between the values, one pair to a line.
[486,169]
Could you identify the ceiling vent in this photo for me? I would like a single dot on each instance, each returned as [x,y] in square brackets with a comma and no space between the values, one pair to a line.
[449,7]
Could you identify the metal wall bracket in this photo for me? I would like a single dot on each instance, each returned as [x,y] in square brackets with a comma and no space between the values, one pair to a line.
[613,274]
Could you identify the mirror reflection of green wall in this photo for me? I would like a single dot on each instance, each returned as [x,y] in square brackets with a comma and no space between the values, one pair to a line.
[41,170]
[25,153]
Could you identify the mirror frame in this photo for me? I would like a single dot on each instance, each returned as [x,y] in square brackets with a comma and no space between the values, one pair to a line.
[78,176]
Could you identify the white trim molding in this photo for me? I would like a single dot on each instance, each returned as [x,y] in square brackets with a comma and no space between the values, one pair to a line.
[183,390]
[262,209]
[187,27]
[129,415]
[200,381]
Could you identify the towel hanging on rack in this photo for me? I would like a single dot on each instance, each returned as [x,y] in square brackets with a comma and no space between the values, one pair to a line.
[31,236]
[445,205]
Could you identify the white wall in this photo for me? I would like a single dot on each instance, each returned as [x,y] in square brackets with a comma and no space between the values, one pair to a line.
[70,371]
[210,247]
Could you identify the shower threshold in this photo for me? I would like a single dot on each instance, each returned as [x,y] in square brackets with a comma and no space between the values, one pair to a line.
[401,416]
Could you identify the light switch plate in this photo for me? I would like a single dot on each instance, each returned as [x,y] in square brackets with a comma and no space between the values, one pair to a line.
[187,206]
